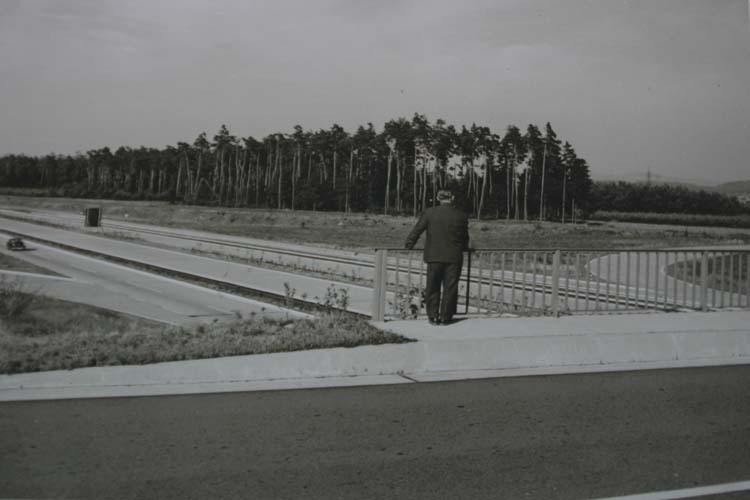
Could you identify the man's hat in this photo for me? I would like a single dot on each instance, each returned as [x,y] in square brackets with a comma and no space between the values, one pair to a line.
[444,195]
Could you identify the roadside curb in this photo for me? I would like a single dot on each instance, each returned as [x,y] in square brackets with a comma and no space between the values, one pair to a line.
[542,347]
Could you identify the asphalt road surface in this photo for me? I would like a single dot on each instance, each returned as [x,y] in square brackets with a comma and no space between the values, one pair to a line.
[257,278]
[104,284]
[561,437]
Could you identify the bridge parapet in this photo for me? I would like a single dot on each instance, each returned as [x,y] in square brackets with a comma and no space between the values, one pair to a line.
[528,282]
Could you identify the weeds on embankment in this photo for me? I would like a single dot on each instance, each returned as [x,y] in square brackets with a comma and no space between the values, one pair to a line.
[15,298]
[51,334]
[14,264]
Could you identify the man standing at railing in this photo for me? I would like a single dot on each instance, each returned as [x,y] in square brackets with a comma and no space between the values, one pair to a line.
[447,238]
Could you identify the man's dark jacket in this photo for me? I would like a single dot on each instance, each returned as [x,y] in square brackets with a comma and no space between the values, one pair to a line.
[447,234]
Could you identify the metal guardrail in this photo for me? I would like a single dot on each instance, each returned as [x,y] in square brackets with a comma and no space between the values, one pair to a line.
[555,282]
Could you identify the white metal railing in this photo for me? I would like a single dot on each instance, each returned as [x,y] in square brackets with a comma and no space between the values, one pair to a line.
[554,282]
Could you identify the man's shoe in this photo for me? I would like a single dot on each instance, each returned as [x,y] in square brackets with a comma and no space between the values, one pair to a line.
[434,321]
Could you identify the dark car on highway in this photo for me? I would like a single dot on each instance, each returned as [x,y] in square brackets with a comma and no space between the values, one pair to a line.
[15,244]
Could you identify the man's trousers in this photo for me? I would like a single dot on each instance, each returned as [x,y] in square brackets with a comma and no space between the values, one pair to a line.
[445,275]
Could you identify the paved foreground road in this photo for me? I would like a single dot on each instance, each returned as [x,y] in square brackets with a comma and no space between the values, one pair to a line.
[562,437]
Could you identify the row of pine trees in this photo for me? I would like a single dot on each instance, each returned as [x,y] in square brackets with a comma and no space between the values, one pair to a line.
[527,175]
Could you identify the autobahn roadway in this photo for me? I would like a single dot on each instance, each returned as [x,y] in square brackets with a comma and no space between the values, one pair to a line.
[562,437]
[103,284]
[333,263]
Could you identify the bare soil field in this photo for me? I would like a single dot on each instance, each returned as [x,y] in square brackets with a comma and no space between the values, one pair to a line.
[361,231]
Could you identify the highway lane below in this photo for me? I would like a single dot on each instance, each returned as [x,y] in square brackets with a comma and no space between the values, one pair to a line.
[104,284]
[278,283]
[562,437]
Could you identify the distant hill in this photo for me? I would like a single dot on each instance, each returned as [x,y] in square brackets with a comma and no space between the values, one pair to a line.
[734,188]
[729,188]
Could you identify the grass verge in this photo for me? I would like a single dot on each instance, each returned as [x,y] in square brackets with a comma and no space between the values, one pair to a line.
[10,263]
[53,335]
[364,231]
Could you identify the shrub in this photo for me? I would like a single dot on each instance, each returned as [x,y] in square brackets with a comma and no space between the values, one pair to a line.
[335,299]
[15,299]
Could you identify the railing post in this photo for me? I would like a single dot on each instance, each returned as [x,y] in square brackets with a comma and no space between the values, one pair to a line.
[704,281]
[381,281]
[556,283]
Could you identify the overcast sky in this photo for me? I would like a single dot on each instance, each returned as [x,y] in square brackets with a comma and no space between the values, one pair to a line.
[660,84]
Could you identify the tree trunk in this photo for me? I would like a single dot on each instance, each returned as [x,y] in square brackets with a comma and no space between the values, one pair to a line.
[565,181]
[188,180]
[369,181]
[481,196]
[225,178]
[515,185]
[507,189]
[424,184]
[215,178]
[294,174]
[238,175]
[526,195]
[269,172]
[399,168]
[434,183]
[335,157]
[257,179]
[198,173]
[228,177]
[309,167]
[388,183]
[246,200]
[477,194]
[414,182]
[349,179]
[541,189]
[573,214]
[280,169]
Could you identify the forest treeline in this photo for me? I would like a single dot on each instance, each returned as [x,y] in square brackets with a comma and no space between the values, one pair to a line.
[519,174]
[528,174]
[663,199]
